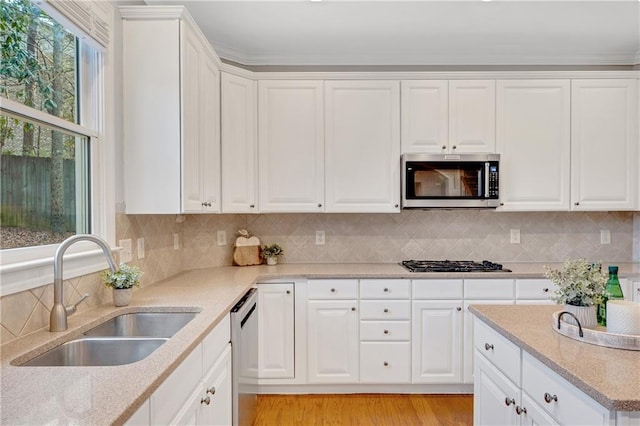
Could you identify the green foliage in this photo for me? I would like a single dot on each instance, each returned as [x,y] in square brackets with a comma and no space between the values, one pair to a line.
[125,277]
[579,283]
[272,250]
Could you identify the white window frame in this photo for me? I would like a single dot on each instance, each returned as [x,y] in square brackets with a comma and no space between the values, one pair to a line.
[26,268]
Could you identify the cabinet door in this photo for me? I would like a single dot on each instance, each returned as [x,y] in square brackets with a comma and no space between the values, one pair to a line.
[291,146]
[467,358]
[209,114]
[192,60]
[604,144]
[533,138]
[216,398]
[472,116]
[239,144]
[362,128]
[425,116]
[332,345]
[494,396]
[636,291]
[276,331]
[437,341]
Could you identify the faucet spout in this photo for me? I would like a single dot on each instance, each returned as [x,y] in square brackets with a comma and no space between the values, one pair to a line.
[59,312]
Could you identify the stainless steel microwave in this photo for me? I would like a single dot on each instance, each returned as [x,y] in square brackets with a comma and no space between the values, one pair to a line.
[450,180]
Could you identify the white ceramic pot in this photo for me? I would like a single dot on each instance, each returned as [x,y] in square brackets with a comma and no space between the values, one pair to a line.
[272,260]
[122,296]
[585,314]
[623,317]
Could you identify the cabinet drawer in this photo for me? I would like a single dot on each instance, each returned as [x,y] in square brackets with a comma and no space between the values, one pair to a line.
[498,349]
[488,289]
[385,362]
[437,289]
[332,289]
[216,342]
[385,289]
[385,309]
[538,289]
[385,330]
[567,404]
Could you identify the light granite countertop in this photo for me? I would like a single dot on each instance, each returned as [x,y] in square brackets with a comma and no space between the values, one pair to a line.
[110,395]
[609,376]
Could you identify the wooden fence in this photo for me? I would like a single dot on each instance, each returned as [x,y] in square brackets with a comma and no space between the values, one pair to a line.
[25,192]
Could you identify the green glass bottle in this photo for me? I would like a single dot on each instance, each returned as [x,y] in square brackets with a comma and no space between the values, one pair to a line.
[612,291]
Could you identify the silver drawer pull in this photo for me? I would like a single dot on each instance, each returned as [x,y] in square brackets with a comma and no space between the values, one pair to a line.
[333,290]
[206,400]
[520,410]
[386,364]
[386,332]
[508,401]
[488,347]
[546,290]
[386,310]
[548,398]
[386,290]
[212,390]
[353,308]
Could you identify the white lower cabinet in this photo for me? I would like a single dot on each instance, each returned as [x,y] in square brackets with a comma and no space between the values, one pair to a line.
[333,344]
[198,391]
[385,362]
[512,387]
[276,331]
[437,341]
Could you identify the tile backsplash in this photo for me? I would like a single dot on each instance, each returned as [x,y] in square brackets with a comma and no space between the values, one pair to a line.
[350,238]
[418,234]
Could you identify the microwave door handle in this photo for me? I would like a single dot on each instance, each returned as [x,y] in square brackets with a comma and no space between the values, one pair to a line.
[486,180]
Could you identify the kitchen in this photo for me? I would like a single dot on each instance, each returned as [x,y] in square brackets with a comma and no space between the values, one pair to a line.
[205,241]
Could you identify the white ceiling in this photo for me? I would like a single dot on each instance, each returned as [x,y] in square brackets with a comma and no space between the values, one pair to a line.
[340,32]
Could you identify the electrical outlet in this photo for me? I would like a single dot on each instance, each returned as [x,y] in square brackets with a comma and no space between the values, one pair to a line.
[176,241]
[515,236]
[319,238]
[221,237]
[140,243]
[125,250]
[605,236]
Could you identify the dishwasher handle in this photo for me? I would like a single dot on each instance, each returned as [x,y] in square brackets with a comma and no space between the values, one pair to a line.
[243,310]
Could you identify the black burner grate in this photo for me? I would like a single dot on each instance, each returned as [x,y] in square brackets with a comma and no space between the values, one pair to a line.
[452,266]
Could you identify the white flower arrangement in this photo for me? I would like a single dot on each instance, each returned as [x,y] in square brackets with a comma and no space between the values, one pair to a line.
[579,283]
[125,277]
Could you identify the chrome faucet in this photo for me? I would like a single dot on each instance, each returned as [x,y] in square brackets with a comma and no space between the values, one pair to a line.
[59,312]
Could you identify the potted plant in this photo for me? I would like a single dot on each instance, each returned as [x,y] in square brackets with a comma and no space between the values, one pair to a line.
[122,281]
[580,286]
[271,253]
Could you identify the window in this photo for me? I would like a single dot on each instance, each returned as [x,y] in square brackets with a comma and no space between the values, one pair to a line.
[52,139]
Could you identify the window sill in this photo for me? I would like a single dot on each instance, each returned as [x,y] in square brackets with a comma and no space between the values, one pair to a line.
[22,276]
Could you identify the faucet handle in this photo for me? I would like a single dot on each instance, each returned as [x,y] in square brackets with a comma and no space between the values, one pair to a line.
[72,308]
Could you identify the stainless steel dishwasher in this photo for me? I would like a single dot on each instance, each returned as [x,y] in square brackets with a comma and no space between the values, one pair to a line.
[244,349]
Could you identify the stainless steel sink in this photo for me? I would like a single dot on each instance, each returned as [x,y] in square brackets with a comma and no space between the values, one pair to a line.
[99,351]
[143,324]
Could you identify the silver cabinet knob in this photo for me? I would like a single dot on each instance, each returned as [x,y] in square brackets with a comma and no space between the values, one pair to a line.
[454,147]
[548,398]
[488,347]
[508,401]
[353,308]
[458,309]
[251,206]
[319,205]
[386,290]
[288,291]
[520,410]
[333,290]
[546,290]
[206,400]
[386,331]
[212,390]
[385,310]
[444,147]
[397,205]
[576,203]
[386,364]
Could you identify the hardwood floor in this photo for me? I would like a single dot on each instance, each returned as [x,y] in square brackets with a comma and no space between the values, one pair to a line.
[364,409]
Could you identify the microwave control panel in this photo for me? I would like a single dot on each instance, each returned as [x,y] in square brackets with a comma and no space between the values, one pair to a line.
[494,183]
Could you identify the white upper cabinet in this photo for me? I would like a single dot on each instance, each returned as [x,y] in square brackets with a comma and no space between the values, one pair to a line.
[604,144]
[362,145]
[448,116]
[472,116]
[425,116]
[533,138]
[171,136]
[291,146]
[239,144]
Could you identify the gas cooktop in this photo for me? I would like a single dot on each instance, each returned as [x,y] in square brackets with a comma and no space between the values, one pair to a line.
[452,266]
